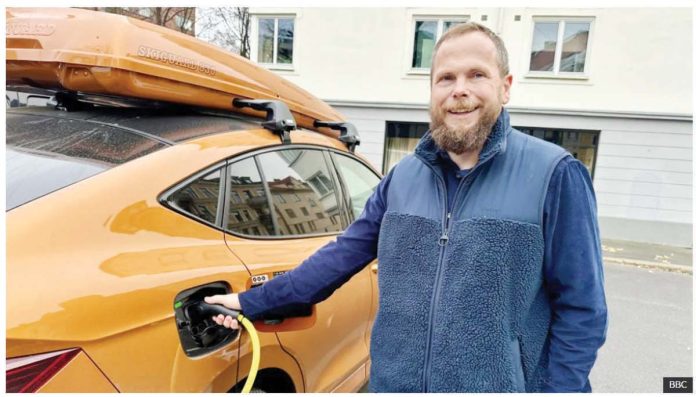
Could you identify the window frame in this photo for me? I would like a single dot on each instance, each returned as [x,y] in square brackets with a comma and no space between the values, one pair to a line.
[440,19]
[255,51]
[556,73]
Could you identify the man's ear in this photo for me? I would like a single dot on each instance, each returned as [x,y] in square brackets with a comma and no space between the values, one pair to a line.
[507,83]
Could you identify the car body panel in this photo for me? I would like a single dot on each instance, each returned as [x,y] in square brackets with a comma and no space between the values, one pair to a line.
[338,345]
[166,253]
[97,263]
[80,375]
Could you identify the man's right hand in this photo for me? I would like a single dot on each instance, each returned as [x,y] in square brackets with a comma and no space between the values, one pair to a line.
[230,301]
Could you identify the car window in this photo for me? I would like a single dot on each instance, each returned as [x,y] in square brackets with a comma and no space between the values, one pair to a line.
[359,181]
[248,210]
[199,198]
[303,192]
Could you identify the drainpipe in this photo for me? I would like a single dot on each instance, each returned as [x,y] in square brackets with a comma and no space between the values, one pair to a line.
[501,14]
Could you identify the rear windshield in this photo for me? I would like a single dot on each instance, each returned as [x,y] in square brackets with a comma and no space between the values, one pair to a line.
[46,153]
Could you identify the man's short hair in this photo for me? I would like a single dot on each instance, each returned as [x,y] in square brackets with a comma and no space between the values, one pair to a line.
[468,27]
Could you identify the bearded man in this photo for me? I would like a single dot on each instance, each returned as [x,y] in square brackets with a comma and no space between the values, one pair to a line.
[490,268]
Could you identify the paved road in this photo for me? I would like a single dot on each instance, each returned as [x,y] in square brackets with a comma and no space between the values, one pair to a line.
[650,330]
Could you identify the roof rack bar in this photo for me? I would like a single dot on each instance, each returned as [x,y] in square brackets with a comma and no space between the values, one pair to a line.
[278,117]
[349,134]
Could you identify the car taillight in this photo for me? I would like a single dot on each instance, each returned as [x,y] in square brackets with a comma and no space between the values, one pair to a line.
[27,374]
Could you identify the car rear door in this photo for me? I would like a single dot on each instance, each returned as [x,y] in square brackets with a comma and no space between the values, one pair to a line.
[283,205]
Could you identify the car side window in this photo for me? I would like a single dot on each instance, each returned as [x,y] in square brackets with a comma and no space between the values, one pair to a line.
[248,211]
[303,192]
[359,181]
[200,197]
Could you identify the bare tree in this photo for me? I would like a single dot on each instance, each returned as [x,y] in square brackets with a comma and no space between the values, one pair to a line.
[162,16]
[227,27]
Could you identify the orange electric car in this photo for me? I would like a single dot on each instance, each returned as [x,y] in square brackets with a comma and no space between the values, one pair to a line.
[160,170]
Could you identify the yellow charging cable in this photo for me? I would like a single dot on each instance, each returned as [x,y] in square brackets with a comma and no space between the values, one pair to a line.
[256,352]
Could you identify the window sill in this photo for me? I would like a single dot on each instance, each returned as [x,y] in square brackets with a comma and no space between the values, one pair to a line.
[417,74]
[549,76]
[278,68]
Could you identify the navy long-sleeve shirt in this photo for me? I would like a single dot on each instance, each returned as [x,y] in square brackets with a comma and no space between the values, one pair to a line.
[573,274]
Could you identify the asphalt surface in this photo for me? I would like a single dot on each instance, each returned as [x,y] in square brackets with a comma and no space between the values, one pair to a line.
[650,332]
[650,327]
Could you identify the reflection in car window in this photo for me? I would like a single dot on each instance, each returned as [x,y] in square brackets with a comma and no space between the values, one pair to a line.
[45,154]
[360,182]
[249,212]
[303,194]
[199,198]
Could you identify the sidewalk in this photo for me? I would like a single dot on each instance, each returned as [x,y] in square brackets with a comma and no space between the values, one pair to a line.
[663,257]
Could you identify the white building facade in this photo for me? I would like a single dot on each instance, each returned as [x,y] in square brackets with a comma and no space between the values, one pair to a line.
[613,86]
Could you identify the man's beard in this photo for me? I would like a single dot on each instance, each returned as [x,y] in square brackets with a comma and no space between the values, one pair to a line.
[461,139]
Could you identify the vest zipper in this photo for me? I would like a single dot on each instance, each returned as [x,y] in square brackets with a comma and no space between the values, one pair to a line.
[442,242]
[444,238]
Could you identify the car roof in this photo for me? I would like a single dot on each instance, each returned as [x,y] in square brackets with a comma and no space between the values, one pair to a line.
[49,149]
[166,125]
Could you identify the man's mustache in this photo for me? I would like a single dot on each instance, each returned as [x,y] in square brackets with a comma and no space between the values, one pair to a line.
[465,106]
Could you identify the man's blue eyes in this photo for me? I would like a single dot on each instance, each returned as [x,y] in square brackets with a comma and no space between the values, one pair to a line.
[475,75]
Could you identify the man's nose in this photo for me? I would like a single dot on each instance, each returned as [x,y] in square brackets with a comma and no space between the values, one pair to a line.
[461,88]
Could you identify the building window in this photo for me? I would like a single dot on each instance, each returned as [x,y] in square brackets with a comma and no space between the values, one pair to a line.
[275,43]
[321,183]
[559,46]
[183,23]
[288,172]
[250,215]
[401,140]
[146,12]
[581,144]
[194,198]
[427,32]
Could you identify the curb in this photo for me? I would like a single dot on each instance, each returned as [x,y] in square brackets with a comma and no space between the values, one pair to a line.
[650,265]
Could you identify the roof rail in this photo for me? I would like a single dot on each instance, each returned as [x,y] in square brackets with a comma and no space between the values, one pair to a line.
[349,134]
[279,120]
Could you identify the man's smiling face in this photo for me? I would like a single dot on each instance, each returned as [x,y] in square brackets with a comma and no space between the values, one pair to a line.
[467,92]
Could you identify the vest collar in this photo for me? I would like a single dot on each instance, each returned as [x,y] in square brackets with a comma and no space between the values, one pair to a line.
[495,143]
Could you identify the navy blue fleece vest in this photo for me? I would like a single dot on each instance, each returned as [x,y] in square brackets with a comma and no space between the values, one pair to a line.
[464,309]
